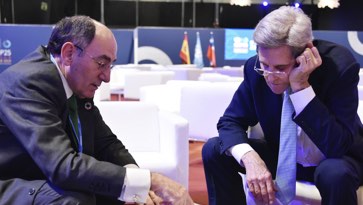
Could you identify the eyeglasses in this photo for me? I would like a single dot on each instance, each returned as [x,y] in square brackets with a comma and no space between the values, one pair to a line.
[101,65]
[265,73]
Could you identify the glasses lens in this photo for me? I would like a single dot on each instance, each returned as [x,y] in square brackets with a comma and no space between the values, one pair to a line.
[260,71]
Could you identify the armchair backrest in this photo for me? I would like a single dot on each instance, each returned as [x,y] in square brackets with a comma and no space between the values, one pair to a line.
[203,105]
[132,122]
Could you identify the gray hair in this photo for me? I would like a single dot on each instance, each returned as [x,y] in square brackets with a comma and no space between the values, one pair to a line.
[286,25]
[79,30]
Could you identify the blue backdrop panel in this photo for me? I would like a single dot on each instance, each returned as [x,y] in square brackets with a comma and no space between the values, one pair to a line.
[124,38]
[169,40]
[239,44]
[16,41]
[353,42]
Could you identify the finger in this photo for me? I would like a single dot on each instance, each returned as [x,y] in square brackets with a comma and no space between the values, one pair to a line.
[301,60]
[155,198]
[264,194]
[316,55]
[251,187]
[258,192]
[315,52]
[149,201]
[307,55]
[271,190]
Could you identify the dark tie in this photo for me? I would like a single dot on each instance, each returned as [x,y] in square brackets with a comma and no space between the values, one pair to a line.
[73,117]
[286,167]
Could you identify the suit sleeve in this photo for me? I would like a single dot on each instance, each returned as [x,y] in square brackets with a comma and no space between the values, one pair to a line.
[331,119]
[32,109]
[239,115]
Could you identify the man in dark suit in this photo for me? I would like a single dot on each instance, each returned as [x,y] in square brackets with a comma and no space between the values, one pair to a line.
[321,80]
[49,157]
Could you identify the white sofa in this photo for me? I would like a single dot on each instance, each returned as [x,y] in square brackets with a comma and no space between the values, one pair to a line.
[117,79]
[103,93]
[157,140]
[202,103]
[134,81]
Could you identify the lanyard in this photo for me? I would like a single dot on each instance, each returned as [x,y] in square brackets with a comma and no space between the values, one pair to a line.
[78,135]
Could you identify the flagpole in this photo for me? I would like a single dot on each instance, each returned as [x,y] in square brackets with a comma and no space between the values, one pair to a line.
[216,15]
[194,13]
[102,12]
[182,13]
[137,12]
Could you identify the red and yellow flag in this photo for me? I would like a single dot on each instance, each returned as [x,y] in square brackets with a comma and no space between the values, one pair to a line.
[211,54]
[184,51]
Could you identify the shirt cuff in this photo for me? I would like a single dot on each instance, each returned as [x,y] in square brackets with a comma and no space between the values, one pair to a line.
[136,186]
[302,98]
[239,150]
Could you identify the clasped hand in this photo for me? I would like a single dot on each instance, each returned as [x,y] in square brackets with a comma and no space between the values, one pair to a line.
[307,62]
[259,179]
[165,191]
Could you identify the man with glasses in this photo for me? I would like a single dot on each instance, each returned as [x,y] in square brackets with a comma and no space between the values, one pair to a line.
[54,146]
[320,79]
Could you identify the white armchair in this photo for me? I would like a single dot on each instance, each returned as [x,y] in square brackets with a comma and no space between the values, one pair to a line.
[360,92]
[201,103]
[167,96]
[157,140]
[213,77]
[134,81]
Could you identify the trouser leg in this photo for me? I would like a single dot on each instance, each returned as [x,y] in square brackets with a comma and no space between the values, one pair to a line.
[51,195]
[18,191]
[338,180]
[224,184]
[39,192]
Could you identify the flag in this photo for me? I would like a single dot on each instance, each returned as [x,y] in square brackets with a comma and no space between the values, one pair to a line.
[184,51]
[198,54]
[211,52]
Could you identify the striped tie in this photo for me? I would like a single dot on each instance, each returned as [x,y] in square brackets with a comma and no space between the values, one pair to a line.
[286,167]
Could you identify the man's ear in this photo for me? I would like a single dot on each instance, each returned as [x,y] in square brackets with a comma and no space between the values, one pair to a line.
[67,52]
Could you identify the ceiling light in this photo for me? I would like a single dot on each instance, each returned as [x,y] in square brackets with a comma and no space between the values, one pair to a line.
[241,2]
[328,3]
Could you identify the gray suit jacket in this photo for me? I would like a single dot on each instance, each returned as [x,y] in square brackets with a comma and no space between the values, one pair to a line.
[34,140]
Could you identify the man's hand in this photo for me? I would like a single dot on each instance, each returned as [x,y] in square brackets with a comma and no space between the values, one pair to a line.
[152,199]
[259,179]
[171,192]
[308,61]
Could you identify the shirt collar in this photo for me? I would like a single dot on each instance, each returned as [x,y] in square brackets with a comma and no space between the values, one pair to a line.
[66,87]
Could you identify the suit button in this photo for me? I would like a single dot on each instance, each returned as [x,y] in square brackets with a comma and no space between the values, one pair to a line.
[31,191]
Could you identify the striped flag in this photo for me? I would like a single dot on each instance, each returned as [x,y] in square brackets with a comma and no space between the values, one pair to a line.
[211,54]
[198,54]
[184,51]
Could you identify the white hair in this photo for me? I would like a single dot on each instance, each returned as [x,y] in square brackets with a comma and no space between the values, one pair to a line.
[286,25]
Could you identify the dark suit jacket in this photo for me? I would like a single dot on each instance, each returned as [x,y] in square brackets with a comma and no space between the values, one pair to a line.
[330,119]
[34,141]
